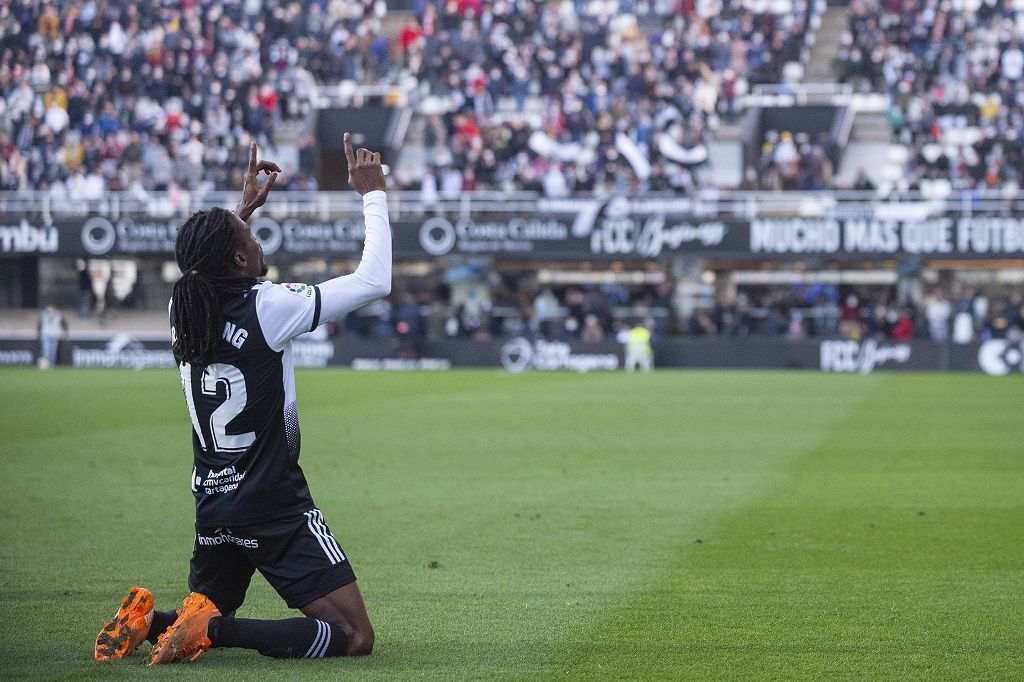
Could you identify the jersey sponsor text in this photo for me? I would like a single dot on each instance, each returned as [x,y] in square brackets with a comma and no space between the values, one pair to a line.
[221,538]
[223,481]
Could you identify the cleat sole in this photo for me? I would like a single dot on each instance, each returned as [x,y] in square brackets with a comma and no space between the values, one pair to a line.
[115,639]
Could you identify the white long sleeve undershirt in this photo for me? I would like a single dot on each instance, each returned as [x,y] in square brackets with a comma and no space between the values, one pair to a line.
[372,279]
[289,310]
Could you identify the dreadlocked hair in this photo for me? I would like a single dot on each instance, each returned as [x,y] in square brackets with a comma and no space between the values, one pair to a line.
[204,249]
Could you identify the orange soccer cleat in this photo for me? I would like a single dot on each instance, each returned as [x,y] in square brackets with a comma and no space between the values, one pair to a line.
[187,636]
[123,635]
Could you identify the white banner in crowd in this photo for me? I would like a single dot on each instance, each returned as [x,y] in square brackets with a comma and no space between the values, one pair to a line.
[567,152]
[688,156]
[636,156]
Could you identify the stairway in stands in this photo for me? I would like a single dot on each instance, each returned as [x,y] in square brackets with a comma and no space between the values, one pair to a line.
[826,46]
[871,148]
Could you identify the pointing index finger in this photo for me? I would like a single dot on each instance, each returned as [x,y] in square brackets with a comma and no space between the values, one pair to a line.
[349,153]
[252,158]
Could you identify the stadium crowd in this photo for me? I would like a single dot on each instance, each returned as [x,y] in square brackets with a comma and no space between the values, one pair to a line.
[955,74]
[554,97]
[624,98]
[100,95]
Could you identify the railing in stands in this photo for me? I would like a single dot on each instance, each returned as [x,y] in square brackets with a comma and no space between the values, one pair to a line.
[791,94]
[329,205]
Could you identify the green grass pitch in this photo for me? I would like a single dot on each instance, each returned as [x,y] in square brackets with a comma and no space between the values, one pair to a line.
[681,525]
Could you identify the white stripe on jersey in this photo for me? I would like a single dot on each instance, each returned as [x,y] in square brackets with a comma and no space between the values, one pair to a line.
[327,533]
[316,642]
[185,370]
[319,535]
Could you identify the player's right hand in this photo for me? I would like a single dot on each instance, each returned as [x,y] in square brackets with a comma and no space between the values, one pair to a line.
[254,196]
[365,173]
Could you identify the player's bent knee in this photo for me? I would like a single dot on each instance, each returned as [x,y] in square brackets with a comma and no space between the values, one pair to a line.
[360,642]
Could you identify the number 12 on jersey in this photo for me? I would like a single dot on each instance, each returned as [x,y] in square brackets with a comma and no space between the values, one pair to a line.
[217,420]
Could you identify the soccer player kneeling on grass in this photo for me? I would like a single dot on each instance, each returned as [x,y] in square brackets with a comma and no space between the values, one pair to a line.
[232,341]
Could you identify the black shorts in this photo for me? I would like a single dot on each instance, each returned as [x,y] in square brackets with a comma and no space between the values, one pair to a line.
[297,555]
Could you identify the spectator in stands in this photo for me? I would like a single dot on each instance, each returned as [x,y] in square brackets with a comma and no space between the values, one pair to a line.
[863,182]
[903,329]
[1014,315]
[428,188]
[592,331]
[937,311]
[85,295]
[547,310]
[850,318]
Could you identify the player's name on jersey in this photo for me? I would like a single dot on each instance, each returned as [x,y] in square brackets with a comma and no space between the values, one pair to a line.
[235,335]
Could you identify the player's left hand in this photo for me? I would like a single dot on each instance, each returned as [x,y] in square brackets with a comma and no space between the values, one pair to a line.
[253,195]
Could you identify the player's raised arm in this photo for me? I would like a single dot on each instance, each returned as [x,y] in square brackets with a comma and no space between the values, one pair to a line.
[253,195]
[372,279]
[288,310]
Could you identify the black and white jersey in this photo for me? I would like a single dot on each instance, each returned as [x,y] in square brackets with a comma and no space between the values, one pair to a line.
[243,408]
[245,427]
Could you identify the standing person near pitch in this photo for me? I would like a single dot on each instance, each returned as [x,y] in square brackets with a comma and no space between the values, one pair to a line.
[638,346]
[232,341]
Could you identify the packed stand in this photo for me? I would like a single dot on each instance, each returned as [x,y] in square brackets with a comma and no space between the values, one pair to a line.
[114,95]
[478,304]
[561,96]
[955,73]
[102,95]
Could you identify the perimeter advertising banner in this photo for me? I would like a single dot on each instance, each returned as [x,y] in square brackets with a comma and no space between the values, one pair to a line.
[570,230]
[995,357]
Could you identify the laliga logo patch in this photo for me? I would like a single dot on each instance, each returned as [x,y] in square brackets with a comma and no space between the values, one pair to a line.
[297,289]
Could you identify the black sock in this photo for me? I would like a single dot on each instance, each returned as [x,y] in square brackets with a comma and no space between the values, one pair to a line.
[161,621]
[291,638]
